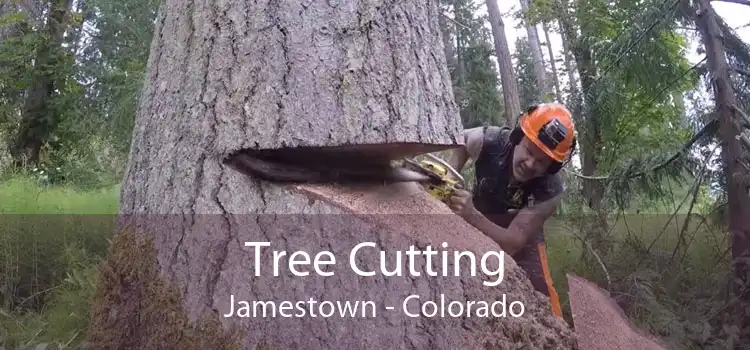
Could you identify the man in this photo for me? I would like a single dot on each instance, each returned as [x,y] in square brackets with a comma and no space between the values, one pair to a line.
[511,166]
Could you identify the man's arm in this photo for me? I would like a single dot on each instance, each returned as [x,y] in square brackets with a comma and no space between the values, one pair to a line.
[526,223]
[530,220]
[473,139]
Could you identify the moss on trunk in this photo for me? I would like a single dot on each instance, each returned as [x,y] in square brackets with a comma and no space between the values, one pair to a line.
[132,298]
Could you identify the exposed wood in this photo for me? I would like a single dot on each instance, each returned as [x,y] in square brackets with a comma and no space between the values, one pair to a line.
[600,323]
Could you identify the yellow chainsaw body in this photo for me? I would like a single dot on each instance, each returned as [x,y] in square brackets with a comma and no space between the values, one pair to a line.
[447,185]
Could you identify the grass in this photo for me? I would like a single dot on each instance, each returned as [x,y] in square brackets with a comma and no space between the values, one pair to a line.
[668,278]
[52,239]
[21,195]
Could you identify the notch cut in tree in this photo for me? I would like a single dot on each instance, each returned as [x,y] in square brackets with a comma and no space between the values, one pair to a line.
[234,77]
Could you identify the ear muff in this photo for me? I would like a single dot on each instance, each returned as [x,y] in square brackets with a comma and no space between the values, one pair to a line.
[516,135]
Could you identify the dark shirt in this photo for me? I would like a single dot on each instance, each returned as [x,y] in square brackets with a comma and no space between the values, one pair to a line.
[494,195]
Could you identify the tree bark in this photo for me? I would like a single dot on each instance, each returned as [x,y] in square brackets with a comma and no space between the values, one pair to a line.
[293,74]
[536,54]
[567,55]
[507,76]
[553,64]
[679,103]
[738,200]
[570,68]
[460,71]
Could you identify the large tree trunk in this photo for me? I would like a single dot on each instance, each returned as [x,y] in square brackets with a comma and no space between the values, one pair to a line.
[737,177]
[293,74]
[536,54]
[511,97]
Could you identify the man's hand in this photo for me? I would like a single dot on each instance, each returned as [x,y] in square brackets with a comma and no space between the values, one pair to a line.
[461,202]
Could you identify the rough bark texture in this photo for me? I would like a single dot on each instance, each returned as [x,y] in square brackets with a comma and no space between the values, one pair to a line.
[293,73]
[287,73]
[738,198]
[511,97]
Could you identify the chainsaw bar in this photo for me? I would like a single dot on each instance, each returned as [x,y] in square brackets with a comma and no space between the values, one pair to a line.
[432,177]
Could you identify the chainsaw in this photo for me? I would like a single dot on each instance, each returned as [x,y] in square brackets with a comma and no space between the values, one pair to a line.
[341,166]
[440,183]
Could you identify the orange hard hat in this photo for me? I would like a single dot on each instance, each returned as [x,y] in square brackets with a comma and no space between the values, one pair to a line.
[550,127]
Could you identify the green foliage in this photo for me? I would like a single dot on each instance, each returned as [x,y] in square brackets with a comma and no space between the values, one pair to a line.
[528,87]
[52,239]
[117,61]
[639,65]
[667,273]
[89,116]
[16,72]
[475,79]
[482,105]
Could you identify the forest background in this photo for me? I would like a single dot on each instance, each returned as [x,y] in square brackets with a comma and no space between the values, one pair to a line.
[633,71]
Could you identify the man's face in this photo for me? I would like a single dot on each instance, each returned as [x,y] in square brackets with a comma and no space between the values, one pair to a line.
[529,161]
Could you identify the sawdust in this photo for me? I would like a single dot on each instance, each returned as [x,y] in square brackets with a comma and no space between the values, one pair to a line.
[432,221]
[600,323]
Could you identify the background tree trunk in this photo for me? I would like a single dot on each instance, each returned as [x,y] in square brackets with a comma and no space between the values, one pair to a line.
[448,45]
[553,64]
[507,76]
[536,54]
[736,174]
[292,75]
